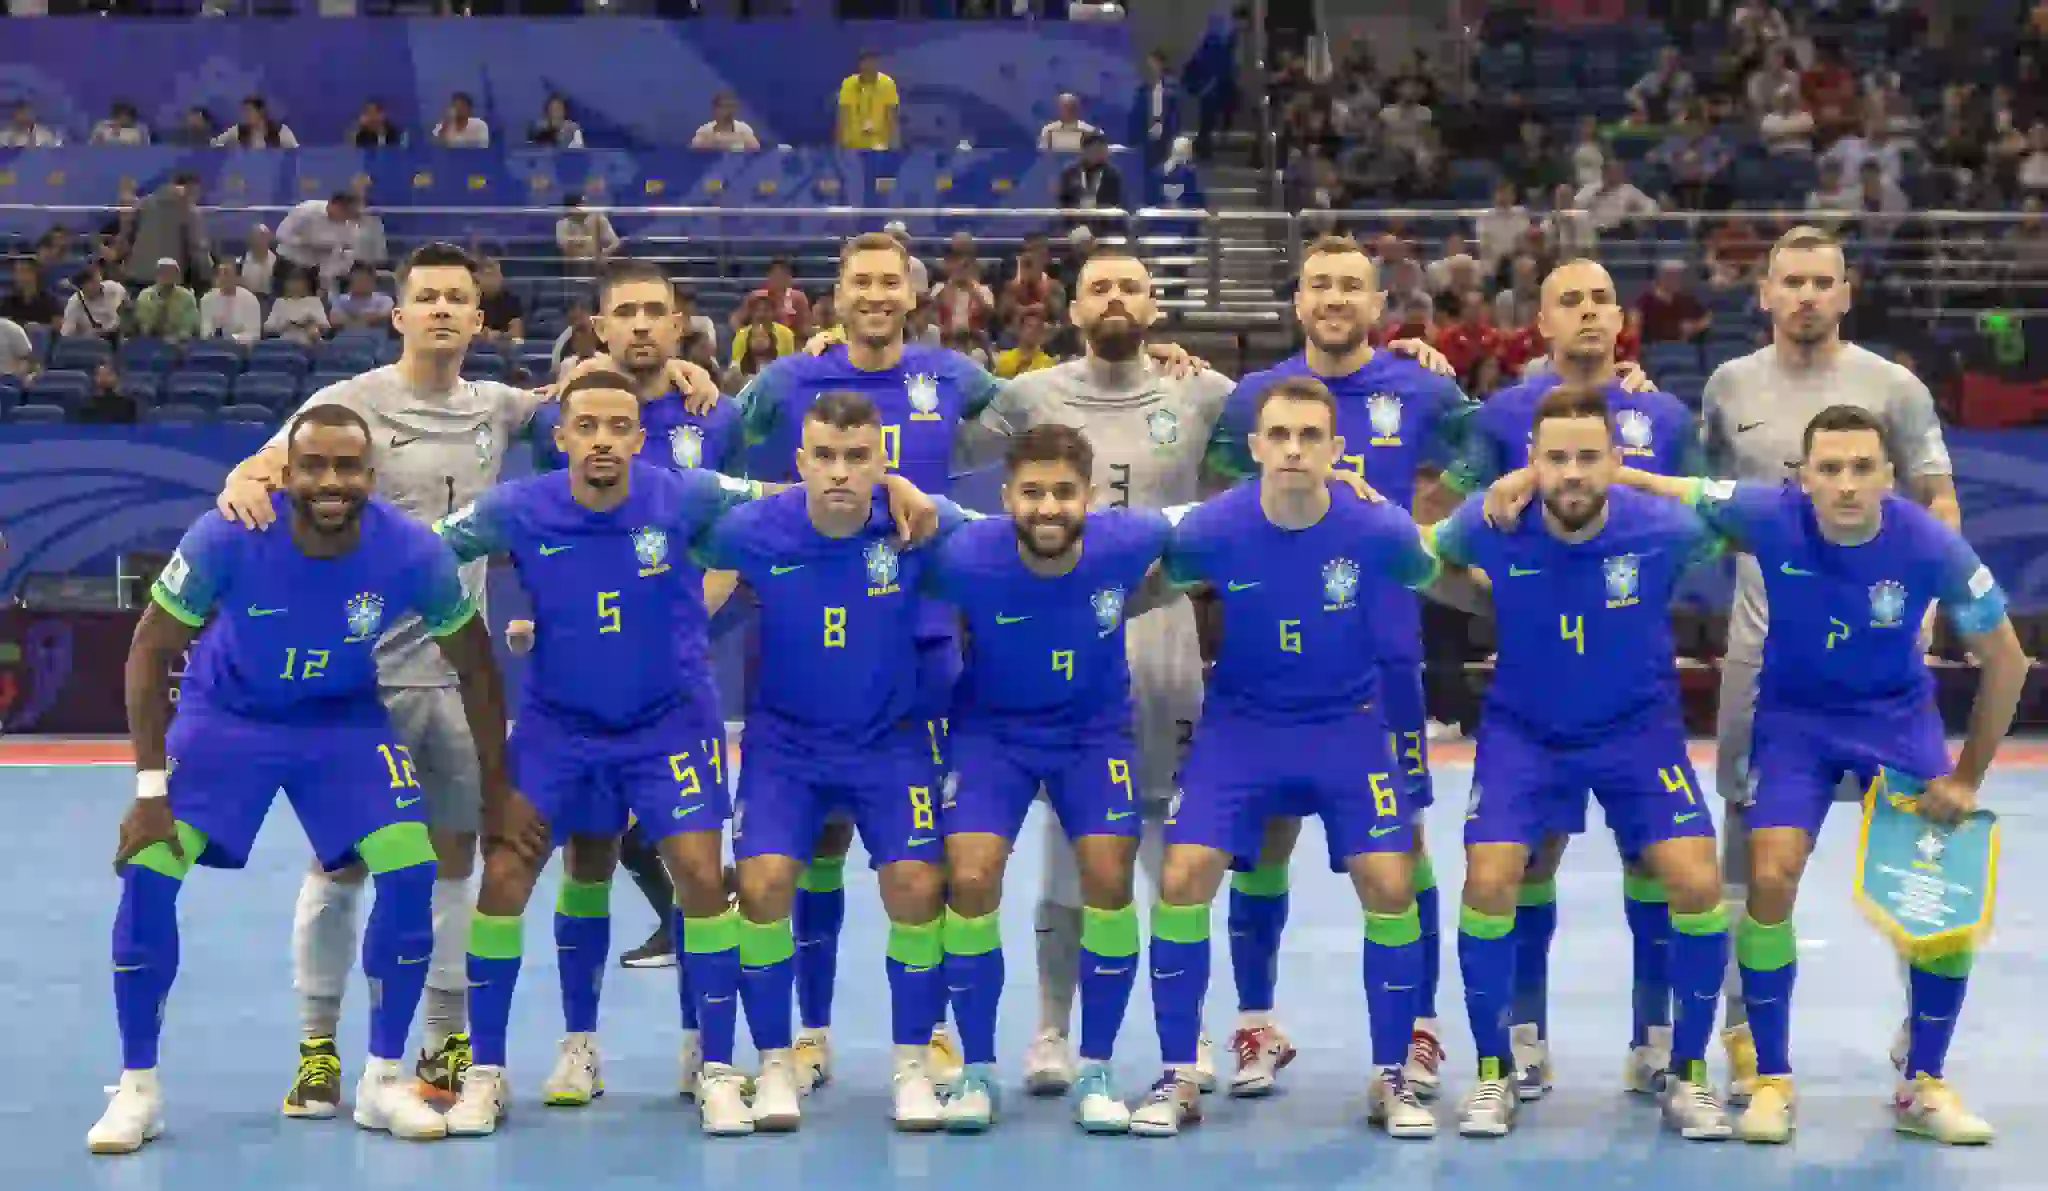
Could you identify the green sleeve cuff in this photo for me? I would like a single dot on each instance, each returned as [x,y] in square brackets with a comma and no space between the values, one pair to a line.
[178,611]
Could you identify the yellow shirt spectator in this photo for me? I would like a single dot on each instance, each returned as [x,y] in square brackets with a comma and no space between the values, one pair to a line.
[785,341]
[867,109]
[1016,362]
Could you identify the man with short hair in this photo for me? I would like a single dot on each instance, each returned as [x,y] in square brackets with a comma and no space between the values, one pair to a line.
[1066,130]
[167,310]
[725,130]
[229,310]
[461,128]
[318,238]
[868,106]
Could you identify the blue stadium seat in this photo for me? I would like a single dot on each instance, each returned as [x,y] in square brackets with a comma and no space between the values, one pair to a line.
[272,390]
[1600,69]
[387,353]
[140,387]
[179,414]
[484,368]
[217,356]
[1551,62]
[10,393]
[81,353]
[147,355]
[39,414]
[204,389]
[486,347]
[346,363]
[39,337]
[538,358]
[279,356]
[260,415]
[1720,351]
[63,388]
[1662,359]
[1470,180]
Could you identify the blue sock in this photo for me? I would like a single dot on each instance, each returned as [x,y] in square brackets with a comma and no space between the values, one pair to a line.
[583,943]
[1429,908]
[1643,904]
[1936,999]
[1257,917]
[974,977]
[1768,954]
[1699,962]
[817,915]
[1180,978]
[398,944]
[678,924]
[1535,925]
[1393,970]
[1486,960]
[767,970]
[1109,971]
[146,952]
[710,973]
[495,941]
[917,981]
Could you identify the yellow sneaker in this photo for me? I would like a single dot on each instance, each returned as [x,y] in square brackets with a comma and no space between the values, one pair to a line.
[1931,1109]
[812,1058]
[1768,1119]
[1741,1063]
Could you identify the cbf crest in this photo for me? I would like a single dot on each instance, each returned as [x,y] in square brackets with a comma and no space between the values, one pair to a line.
[650,548]
[883,568]
[686,446]
[1340,584]
[1887,604]
[923,389]
[1109,609]
[1623,573]
[365,613]
[1162,426]
[1632,426]
[486,446]
[1383,410]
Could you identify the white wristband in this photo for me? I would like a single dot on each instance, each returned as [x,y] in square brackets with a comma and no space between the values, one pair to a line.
[151,783]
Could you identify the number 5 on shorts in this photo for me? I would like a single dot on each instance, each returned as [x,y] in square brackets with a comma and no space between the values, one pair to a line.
[1382,786]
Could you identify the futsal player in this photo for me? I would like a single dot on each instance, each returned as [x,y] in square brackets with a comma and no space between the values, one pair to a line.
[281,691]
[1585,696]
[1292,726]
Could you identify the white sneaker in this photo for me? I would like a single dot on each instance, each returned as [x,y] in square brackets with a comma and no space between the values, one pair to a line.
[1173,1103]
[1205,1065]
[942,1059]
[1644,1068]
[578,1077]
[1048,1065]
[971,1108]
[388,1100]
[1261,1052]
[917,1106]
[1424,1068]
[1934,1111]
[1532,1062]
[690,1063]
[481,1106]
[812,1056]
[1693,1111]
[1438,732]
[1489,1108]
[722,1103]
[1096,1108]
[1392,1105]
[134,1116]
[777,1099]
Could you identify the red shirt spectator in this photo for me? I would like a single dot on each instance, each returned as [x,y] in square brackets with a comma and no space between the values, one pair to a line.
[1828,90]
[1669,312]
[791,308]
[1514,349]
[1470,344]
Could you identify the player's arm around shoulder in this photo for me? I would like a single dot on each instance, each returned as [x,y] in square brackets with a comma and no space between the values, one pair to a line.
[1150,532]
[1186,557]
[1228,458]
[482,527]
[1413,560]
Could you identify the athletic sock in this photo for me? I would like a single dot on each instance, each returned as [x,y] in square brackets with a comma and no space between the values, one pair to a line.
[917,981]
[679,925]
[767,971]
[1936,1000]
[145,945]
[1486,960]
[1109,971]
[709,975]
[1643,905]
[583,944]
[1698,956]
[1392,971]
[1257,917]
[447,999]
[323,950]
[1535,926]
[974,978]
[816,916]
[495,943]
[1769,954]
[398,945]
[1429,909]
[1180,976]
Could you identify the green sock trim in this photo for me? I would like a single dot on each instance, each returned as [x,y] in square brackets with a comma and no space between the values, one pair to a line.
[401,845]
[1393,930]
[1536,893]
[824,875]
[496,936]
[1643,889]
[1267,880]
[1180,924]
[1481,925]
[765,944]
[1706,922]
[1765,947]
[584,899]
[1955,967]
[1111,934]
[157,858]
[972,936]
[1425,874]
[919,944]
[709,936]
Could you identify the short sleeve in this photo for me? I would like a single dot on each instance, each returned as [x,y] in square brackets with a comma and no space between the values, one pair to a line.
[1970,595]
[1455,539]
[1230,452]
[1186,557]
[1717,453]
[1731,510]
[1700,543]
[1450,419]
[727,544]
[725,427]
[443,605]
[761,402]
[978,388]
[1916,428]
[191,583]
[1407,561]
[1480,460]
[546,455]
[707,496]
[951,517]
[480,528]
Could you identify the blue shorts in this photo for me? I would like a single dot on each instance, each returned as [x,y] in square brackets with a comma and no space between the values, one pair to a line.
[1088,780]
[1642,777]
[1407,719]
[668,777]
[789,787]
[1797,758]
[346,777]
[1241,772]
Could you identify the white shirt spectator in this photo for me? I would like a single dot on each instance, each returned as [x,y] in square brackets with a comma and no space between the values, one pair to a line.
[1589,160]
[310,239]
[1788,134]
[38,136]
[1573,233]
[1064,136]
[1851,152]
[475,134]
[371,248]
[1612,206]
[962,303]
[738,138]
[106,132]
[302,320]
[256,272]
[587,238]
[101,316]
[1402,123]
[1500,231]
[2033,172]
[17,351]
[232,139]
[237,316]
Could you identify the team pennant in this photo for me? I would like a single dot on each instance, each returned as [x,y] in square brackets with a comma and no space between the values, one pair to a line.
[1927,886]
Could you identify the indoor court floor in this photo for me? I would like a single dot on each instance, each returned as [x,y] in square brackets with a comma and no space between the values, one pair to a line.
[229,1046]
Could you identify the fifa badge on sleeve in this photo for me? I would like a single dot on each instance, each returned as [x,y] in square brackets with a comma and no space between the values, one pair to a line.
[1930,888]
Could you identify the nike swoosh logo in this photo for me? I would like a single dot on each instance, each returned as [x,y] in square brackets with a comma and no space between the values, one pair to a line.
[919,970]
[266,611]
[409,962]
[716,1000]
[1788,569]
[1746,427]
[919,843]
[1515,572]
[406,802]
[680,811]
[546,551]
[1169,975]
[129,967]
[1380,831]
[1116,815]
[397,442]
[1399,987]
[1236,586]
[1001,619]
[785,570]
[1687,817]
[1112,971]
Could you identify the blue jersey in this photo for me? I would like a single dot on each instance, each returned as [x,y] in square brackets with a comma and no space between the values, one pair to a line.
[676,438]
[290,636]
[1655,431]
[922,400]
[1845,620]
[1298,634]
[1047,652]
[838,616]
[1584,627]
[614,597]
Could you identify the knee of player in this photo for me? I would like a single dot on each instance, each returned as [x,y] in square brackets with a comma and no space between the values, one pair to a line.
[1385,882]
[766,888]
[1692,885]
[1106,884]
[591,859]
[913,891]
[1191,876]
[1777,859]
[1492,883]
[974,887]
[508,882]
[1545,859]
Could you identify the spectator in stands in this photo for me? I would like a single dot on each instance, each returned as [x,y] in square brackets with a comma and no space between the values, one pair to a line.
[1697,160]
[1031,284]
[578,340]
[755,319]
[1616,203]
[1092,183]
[1830,192]
[1668,311]
[1155,110]
[1471,344]
[168,225]
[868,106]
[1319,194]
[961,302]
[318,238]
[1657,96]
[460,126]
[1177,186]
[756,346]
[1756,31]
[106,404]
[2033,168]
[194,130]
[554,129]
[1589,155]
[95,307]
[1883,206]
[258,266]
[725,130]
[1516,304]
[1787,129]
[53,248]
[696,324]
[785,303]
[360,305]
[229,310]
[299,315]
[1413,318]
[17,351]
[373,129]
[920,278]
[1779,72]
[1404,121]
[167,310]
[2028,242]
[1066,130]
[22,131]
[1569,231]
[29,303]
[257,130]
[969,345]
[1501,228]
[504,314]
[1828,90]
[1028,354]
[1734,250]
[586,238]
[1533,165]
[123,126]
[372,248]
[1407,286]
[1868,144]
[1455,272]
